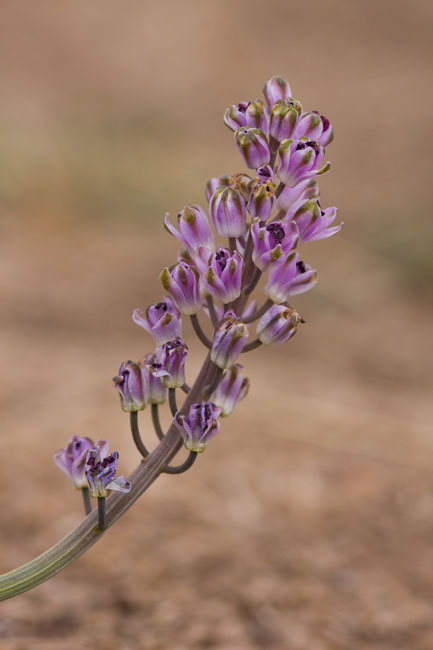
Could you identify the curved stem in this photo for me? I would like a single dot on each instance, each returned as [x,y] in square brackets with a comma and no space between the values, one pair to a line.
[259,312]
[86,500]
[254,282]
[214,383]
[179,469]
[212,312]
[252,346]
[156,423]
[232,244]
[198,330]
[172,401]
[186,388]
[133,420]
[280,188]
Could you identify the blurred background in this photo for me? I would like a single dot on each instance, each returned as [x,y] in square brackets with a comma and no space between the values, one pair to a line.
[308,524]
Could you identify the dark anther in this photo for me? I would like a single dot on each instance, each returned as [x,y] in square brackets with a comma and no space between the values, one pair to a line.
[301,266]
[300,145]
[313,144]
[322,213]
[161,305]
[221,257]
[276,231]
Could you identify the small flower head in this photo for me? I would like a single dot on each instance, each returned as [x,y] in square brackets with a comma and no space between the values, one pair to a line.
[288,277]
[169,363]
[276,88]
[314,223]
[161,320]
[132,389]
[246,114]
[272,242]
[221,277]
[232,388]
[199,426]
[262,198]
[72,459]
[284,117]
[100,473]
[300,160]
[278,325]
[181,282]
[229,340]
[157,392]
[194,229]
[253,146]
[227,212]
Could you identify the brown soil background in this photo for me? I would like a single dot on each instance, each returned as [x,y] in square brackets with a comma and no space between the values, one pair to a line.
[308,524]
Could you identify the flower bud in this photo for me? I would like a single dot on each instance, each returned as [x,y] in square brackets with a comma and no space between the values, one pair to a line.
[223,276]
[313,222]
[253,146]
[275,89]
[72,458]
[181,282]
[284,116]
[309,126]
[272,242]
[169,363]
[265,174]
[229,340]
[288,277]
[262,199]
[157,392]
[246,114]
[199,426]
[241,183]
[232,388]
[100,474]
[194,228]
[215,182]
[299,160]
[227,212]
[327,135]
[291,197]
[132,391]
[278,325]
[161,320]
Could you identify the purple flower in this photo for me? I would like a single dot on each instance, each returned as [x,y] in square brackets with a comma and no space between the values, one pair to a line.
[157,392]
[327,135]
[309,126]
[221,276]
[161,320]
[169,363]
[278,325]
[227,212]
[232,388]
[246,114]
[194,228]
[241,183]
[284,118]
[262,198]
[291,197]
[132,389]
[100,473]
[313,222]
[300,160]
[253,146]
[288,277]
[265,173]
[181,282]
[213,183]
[229,340]
[276,88]
[199,426]
[273,241]
[72,458]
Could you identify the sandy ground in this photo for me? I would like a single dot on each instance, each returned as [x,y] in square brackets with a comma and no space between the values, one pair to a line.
[308,524]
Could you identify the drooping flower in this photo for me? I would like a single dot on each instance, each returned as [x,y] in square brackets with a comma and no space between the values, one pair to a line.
[229,340]
[221,274]
[169,363]
[194,229]
[72,458]
[181,281]
[227,212]
[288,277]
[199,426]
[278,325]
[131,386]
[232,388]
[157,392]
[272,242]
[100,473]
[161,320]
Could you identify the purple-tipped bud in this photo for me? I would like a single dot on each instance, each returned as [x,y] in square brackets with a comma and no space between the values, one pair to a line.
[288,277]
[314,223]
[199,426]
[246,114]
[222,276]
[72,458]
[283,120]
[262,199]
[241,183]
[161,320]
[275,89]
[229,340]
[253,146]
[300,160]
[215,182]
[227,212]
[132,389]
[100,473]
[272,242]
[169,363]
[232,388]
[327,135]
[309,126]
[291,197]
[278,325]
[157,392]
[181,282]
[194,229]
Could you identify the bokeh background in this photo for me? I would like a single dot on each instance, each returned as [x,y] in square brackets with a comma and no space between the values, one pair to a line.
[308,524]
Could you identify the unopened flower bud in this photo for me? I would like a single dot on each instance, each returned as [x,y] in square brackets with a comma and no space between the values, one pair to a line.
[181,282]
[299,160]
[246,114]
[284,117]
[227,212]
[272,242]
[199,426]
[262,199]
[100,474]
[169,363]
[222,276]
[132,391]
[313,222]
[291,197]
[194,229]
[253,146]
[265,173]
[157,392]
[309,126]
[232,388]
[241,183]
[288,277]
[229,340]
[161,320]
[275,89]
[72,459]
[215,182]
[278,325]
[327,135]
